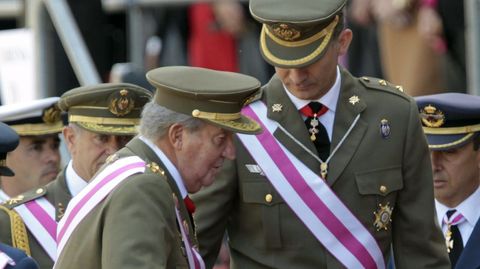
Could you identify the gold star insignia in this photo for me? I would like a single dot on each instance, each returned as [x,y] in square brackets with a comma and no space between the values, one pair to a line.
[277,107]
[354,99]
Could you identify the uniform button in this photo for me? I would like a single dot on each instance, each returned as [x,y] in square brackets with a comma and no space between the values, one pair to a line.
[268,198]
[38,191]
[383,189]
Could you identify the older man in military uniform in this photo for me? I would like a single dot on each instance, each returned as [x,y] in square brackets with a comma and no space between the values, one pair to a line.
[102,119]
[11,258]
[451,122]
[341,173]
[132,214]
[36,160]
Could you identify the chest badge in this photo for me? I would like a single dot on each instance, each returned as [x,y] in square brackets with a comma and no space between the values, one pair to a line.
[383,217]
[385,128]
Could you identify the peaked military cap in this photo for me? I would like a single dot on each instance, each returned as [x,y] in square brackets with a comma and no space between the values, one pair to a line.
[213,96]
[449,120]
[8,142]
[107,108]
[38,117]
[295,33]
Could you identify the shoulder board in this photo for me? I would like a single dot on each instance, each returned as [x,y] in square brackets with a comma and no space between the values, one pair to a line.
[25,197]
[381,84]
[253,97]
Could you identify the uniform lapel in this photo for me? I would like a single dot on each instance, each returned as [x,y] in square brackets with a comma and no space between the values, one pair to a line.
[469,257]
[345,114]
[139,148]
[61,195]
[290,119]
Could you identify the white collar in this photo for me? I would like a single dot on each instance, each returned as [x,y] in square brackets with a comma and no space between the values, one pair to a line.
[3,196]
[329,99]
[168,164]
[468,208]
[74,182]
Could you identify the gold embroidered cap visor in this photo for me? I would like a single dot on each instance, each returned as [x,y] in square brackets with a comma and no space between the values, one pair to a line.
[32,118]
[450,120]
[295,33]
[107,108]
[213,96]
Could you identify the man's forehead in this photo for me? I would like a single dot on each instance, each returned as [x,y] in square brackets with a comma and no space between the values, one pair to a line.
[39,138]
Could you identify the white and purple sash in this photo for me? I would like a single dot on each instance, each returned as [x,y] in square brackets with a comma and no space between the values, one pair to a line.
[39,217]
[102,185]
[309,196]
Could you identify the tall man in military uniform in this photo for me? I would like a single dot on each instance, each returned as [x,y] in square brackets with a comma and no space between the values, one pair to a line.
[135,212]
[36,160]
[341,172]
[102,119]
[451,122]
[11,258]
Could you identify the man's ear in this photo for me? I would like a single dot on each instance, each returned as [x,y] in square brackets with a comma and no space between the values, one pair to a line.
[175,135]
[69,136]
[344,40]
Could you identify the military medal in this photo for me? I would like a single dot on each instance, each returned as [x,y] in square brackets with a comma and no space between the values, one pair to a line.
[313,131]
[449,239]
[383,216]
[384,128]
[323,170]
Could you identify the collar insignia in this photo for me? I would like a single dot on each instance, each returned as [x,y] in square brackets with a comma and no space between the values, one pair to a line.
[277,107]
[354,99]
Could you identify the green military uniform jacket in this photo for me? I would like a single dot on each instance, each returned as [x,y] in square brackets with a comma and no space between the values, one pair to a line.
[368,170]
[56,192]
[134,226]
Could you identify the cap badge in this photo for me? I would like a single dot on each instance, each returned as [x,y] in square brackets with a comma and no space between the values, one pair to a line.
[383,216]
[354,99]
[277,107]
[384,128]
[432,117]
[286,32]
[121,103]
[51,115]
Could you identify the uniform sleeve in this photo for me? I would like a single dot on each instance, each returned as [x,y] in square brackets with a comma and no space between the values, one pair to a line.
[417,240]
[140,227]
[213,205]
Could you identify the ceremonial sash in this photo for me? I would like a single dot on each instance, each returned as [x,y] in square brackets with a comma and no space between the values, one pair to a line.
[5,260]
[195,261]
[39,217]
[94,193]
[102,185]
[309,196]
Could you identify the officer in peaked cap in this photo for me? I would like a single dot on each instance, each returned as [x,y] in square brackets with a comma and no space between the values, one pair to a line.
[185,136]
[8,141]
[360,135]
[102,119]
[36,160]
[451,122]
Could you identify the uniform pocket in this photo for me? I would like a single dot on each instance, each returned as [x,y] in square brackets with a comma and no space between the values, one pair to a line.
[381,182]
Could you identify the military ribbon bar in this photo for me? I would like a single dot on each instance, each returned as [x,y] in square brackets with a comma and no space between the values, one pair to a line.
[39,217]
[94,193]
[324,214]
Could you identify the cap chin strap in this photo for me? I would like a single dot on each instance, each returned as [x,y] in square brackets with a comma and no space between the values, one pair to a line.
[452,130]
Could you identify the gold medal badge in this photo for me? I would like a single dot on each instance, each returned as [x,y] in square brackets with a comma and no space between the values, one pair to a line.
[432,117]
[121,103]
[383,217]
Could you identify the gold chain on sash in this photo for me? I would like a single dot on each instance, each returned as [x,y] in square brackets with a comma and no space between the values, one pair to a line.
[18,231]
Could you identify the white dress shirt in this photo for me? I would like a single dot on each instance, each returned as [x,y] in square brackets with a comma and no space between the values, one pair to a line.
[74,182]
[468,208]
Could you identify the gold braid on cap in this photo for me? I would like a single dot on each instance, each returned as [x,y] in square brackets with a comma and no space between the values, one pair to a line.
[215,116]
[327,33]
[18,231]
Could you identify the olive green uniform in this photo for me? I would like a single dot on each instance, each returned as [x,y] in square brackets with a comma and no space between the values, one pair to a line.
[368,172]
[57,194]
[134,226]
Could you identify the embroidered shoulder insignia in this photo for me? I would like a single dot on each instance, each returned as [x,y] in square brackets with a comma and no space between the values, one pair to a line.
[155,168]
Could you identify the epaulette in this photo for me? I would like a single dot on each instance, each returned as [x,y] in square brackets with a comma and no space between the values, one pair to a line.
[381,84]
[25,197]
[253,98]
